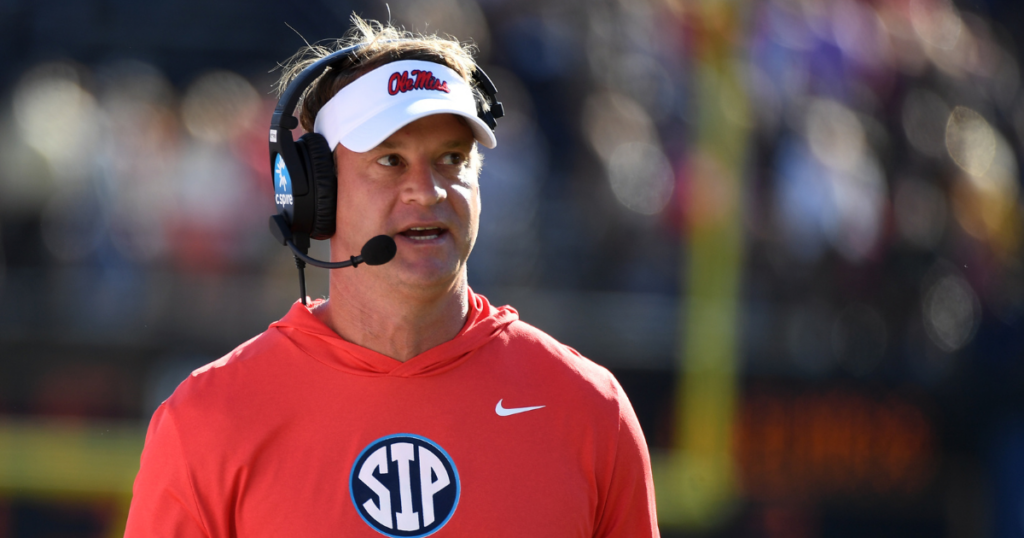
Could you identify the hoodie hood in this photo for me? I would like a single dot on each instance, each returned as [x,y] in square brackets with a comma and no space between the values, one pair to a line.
[483,323]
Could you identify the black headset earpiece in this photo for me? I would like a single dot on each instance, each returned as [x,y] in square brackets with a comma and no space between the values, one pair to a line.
[318,164]
[305,184]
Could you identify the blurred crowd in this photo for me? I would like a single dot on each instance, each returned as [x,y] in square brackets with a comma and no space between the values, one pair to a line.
[881,273]
[118,167]
[888,143]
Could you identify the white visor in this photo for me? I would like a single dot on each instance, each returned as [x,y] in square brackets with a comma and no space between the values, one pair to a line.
[374,106]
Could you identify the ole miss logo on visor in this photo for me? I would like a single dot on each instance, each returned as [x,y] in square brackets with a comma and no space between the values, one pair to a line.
[415,80]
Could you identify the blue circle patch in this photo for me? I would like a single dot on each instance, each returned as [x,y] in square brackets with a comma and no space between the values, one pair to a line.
[404,485]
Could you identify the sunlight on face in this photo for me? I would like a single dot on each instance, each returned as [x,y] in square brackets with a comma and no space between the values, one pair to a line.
[419,186]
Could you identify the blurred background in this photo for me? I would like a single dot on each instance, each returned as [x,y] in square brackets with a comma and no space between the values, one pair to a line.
[792,228]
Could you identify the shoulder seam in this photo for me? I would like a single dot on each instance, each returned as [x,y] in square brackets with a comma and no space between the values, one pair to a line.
[614,459]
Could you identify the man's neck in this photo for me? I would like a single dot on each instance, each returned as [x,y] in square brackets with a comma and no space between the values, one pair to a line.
[395,324]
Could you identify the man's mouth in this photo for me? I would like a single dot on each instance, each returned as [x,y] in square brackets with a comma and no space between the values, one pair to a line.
[423,233]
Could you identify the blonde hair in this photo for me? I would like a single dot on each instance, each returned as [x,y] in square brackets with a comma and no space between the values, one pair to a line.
[380,44]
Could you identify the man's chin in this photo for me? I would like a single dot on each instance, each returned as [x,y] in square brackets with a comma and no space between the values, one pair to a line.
[428,274]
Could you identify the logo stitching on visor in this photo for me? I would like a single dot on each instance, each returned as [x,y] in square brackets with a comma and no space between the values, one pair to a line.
[415,80]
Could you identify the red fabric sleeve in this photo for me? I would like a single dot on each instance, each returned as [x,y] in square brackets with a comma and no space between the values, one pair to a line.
[629,509]
[163,501]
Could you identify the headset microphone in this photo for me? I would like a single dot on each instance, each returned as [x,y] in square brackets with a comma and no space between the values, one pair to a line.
[377,251]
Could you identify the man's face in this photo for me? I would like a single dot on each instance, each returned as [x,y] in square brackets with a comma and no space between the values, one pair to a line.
[419,187]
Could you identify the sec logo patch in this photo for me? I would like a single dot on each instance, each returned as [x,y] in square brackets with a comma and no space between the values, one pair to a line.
[404,485]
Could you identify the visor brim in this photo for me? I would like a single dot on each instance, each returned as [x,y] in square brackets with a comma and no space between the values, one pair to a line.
[371,133]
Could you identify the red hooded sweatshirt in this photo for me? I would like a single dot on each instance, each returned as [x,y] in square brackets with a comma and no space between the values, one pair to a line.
[501,431]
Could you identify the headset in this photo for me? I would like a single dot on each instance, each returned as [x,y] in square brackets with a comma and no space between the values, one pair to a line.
[305,180]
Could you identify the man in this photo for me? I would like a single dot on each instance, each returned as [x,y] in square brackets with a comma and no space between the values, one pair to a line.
[405,404]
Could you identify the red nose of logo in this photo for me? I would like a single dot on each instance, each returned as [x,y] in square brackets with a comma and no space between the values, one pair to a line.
[416,80]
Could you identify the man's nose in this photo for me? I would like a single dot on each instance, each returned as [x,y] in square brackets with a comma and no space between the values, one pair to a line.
[422,185]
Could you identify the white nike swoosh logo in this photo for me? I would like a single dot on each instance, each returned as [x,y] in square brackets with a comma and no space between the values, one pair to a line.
[502,412]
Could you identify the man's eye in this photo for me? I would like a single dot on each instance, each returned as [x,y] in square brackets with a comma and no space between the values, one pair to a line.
[453,159]
[389,160]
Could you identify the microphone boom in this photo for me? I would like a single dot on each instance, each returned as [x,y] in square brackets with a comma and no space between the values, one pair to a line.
[377,251]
